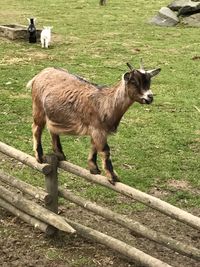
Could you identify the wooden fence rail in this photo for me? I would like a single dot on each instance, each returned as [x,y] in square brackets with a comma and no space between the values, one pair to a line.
[133,226]
[31,208]
[135,194]
[24,158]
[47,220]
[128,251]
[44,227]
[33,191]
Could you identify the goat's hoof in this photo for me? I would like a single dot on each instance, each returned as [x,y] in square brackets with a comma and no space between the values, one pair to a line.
[114,179]
[60,156]
[95,171]
[40,159]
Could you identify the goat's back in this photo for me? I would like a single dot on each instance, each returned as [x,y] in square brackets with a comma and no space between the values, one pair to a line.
[69,102]
[60,83]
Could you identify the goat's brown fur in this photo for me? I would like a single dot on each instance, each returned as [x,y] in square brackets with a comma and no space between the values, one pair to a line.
[68,104]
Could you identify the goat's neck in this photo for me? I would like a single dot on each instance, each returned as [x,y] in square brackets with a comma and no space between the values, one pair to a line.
[121,99]
[116,104]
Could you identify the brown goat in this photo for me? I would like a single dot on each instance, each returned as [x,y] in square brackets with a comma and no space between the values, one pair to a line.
[68,104]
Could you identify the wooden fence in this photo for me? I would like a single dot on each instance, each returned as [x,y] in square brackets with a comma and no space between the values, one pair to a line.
[47,218]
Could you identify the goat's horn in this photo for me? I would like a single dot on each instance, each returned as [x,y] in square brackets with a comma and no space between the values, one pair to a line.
[129,65]
[141,64]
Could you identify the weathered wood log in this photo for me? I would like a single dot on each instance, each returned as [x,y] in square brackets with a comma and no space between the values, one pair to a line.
[134,226]
[24,158]
[25,188]
[124,249]
[46,228]
[131,192]
[51,183]
[35,210]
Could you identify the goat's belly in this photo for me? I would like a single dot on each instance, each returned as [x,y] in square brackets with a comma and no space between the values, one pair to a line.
[70,128]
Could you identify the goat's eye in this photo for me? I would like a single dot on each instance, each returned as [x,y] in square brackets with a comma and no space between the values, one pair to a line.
[133,82]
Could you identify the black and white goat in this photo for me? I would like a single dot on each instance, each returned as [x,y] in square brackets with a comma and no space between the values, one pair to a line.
[32,33]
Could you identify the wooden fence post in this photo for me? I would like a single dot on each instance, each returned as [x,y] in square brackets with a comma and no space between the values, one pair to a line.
[51,182]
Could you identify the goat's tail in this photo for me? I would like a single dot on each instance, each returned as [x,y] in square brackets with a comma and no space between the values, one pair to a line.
[30,84]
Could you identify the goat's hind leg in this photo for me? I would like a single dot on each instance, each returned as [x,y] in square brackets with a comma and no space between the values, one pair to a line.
[38,125]
[92,160]
[37,144]
[46,43]
[57,147]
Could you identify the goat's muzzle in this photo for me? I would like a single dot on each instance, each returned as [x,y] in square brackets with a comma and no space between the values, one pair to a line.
[147,99]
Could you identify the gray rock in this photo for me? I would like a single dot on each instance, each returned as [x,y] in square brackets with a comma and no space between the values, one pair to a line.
[167,13]
[178,4]
[192,21]
[189,10]
[165,17]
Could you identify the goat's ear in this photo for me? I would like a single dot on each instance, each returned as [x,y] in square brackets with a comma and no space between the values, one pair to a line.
[127,76]
[130,66]
[154,72]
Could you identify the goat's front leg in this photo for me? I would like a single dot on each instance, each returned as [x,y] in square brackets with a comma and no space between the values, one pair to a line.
[107,164]
[57,147]
[92,160]
[100,143]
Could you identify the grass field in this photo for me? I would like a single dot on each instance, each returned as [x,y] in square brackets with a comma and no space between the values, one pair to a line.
[157,147]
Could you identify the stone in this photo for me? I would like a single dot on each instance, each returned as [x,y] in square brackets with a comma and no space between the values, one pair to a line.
[178,4]
[192,21]
[165,17]
[189,10]
[15,32]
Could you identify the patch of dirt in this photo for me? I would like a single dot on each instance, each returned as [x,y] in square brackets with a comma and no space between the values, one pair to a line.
[9,60]
[178,184]
[21,245]
[195,147]
[158,192]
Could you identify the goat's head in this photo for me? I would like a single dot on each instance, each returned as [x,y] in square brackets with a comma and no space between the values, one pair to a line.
[137,83]
[48,28]
[31,20]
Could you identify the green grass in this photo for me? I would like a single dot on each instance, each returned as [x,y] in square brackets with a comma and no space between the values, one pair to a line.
[154,143]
